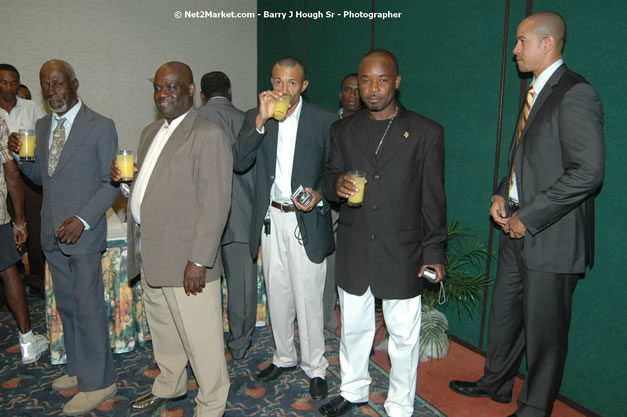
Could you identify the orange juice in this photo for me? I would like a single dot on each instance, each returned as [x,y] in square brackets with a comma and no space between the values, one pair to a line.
[125,163]
[357,199]
[281,107]
[27,150]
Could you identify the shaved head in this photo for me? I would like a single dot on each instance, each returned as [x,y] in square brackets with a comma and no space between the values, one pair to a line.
[184,71]
[291,62]
[61,66]
[549,23]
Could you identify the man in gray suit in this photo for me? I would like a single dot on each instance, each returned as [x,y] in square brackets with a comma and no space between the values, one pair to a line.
[545,206]
[73,152]
[239,267]
[296,238]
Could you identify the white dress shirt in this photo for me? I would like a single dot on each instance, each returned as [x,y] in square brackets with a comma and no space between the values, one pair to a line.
[23,115]
[152,156]
[282,187]
[538,84]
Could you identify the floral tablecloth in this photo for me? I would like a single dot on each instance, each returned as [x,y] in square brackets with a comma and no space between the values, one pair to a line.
[128,326]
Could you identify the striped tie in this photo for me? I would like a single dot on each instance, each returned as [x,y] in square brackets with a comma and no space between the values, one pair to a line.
[521,126]
[58,140]
[526,109]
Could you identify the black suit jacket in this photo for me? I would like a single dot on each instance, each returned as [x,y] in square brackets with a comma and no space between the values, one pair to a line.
[560,160]
[310,155]
[402,222]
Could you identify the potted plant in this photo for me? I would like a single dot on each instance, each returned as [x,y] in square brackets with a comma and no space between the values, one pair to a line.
[463,286]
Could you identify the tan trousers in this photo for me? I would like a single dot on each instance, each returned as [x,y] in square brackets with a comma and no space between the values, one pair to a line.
[188,328]
[294,286]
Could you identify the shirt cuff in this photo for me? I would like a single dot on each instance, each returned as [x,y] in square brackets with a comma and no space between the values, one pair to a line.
[262,131]
[84,223]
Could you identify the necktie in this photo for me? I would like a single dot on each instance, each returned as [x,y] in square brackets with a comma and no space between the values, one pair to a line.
[521,126]
[526,109]
[58,140]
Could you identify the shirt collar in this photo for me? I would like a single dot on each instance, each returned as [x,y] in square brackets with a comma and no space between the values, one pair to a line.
[296,114]
[539,83]
[173,125]
[70,115]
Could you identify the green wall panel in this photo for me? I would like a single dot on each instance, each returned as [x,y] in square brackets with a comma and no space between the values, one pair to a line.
[450,61]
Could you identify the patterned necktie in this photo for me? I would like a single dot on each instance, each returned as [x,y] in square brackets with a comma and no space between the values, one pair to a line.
[526,109]
[521,126]
[58,140]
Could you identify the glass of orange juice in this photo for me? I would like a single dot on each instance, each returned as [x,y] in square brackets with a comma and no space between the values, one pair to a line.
[357,199]
[27,139]
[125,164]
[281,107]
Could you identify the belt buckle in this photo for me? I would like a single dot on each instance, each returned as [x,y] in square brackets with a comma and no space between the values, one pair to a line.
[286,207]
[513,206]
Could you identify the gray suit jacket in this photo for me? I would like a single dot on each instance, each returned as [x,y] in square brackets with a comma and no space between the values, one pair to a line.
[80,185]
[560,160]
[310,155]
[185,205]
[221,111]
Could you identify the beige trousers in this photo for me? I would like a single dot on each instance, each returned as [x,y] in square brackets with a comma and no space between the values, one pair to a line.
[189,328]
[294,286]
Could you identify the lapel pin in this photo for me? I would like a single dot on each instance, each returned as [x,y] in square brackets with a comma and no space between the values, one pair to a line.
[406,134]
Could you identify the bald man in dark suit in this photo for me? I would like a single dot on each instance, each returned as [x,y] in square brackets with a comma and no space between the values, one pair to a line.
[545,206]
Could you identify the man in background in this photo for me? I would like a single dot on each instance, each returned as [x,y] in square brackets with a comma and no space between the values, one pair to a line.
[239,268]
[349,96]
[73,153]
[21,113]
[13,234]
[545,207]
[24,92]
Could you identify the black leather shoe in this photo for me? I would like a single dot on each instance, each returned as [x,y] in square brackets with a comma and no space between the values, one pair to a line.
[318,388]
[272,372]
[470,389]
[150,401]
[338,406]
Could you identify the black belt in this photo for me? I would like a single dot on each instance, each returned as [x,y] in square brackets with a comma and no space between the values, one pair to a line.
[284,207]
[513,206]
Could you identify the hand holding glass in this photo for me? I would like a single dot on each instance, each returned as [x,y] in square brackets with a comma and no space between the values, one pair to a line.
[125,164]
[27,140]
[357,199]
[281,107]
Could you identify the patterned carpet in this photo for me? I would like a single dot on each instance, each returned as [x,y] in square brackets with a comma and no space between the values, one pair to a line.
[25,390]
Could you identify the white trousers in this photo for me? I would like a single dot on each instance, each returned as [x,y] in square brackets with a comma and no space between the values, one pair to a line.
[294,287]
[402,319]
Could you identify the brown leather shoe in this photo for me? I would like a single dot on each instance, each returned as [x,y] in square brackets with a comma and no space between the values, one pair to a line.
[150,401]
